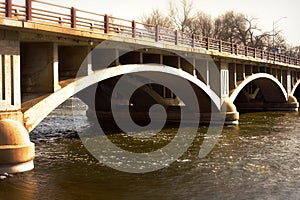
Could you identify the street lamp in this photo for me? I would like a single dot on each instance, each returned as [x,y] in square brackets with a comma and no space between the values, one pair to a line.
[275,22]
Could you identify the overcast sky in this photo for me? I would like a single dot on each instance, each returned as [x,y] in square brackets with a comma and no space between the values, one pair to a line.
[267,11]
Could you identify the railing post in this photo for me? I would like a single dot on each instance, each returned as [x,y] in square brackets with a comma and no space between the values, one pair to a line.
[220,46]
[8,8]
[279,58]
[156,33]
[73,17]
[106,24]
[176,37]
[28,10]
[193,40]
[208,43]
[133,29]
[246,50]
[254,53]
[236,49]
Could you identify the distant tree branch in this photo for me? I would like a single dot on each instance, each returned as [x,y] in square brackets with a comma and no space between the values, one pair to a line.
[231,26]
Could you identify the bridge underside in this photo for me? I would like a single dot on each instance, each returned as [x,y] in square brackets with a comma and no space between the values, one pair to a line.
[296,91]
[146,95]
[263,94]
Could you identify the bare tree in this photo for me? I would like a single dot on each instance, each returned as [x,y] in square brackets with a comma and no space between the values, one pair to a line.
[293,51]
[181,14]
[240,29]
[276,42]
[231,26]
[253,36]
[202,24]
[156,17]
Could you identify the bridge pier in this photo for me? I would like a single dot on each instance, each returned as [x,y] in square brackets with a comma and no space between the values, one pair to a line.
[10,92]
[227,107]
[293,104]
[230,111]
[16,150]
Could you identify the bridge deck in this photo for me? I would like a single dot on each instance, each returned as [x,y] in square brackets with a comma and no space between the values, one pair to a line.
[42,16]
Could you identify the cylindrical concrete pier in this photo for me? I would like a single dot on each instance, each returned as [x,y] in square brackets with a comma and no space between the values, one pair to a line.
[16,150]
[230,111]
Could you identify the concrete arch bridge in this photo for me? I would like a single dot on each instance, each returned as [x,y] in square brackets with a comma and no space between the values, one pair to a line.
[47,57]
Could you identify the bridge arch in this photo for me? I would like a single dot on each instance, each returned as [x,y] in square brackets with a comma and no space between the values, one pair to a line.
[36,112]
[266,85]
[296,91]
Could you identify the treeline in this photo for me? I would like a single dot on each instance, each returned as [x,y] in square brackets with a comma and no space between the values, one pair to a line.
[231,26]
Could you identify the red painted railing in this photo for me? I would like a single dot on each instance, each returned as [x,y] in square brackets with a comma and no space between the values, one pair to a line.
[44,12]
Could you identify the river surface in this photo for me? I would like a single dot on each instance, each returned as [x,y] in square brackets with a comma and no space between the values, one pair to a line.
[258,159]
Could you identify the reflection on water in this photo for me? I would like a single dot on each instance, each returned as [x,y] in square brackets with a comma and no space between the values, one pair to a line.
[259,159]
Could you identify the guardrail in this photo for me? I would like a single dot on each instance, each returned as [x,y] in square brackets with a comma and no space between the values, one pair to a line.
[44,12]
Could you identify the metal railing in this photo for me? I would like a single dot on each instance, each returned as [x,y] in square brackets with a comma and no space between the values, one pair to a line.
[48,13]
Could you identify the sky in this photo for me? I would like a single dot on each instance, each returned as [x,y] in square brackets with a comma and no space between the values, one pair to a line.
[286,13]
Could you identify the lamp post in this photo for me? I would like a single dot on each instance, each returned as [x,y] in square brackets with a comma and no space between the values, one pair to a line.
[275,22]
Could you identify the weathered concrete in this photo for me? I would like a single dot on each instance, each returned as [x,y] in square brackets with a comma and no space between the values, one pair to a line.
[16,150]
[102,58]
[10,91]
[224,79]
[72,59]
[39,67]
[229,110]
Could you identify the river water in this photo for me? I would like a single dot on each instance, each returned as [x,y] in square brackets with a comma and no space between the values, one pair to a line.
[258,159]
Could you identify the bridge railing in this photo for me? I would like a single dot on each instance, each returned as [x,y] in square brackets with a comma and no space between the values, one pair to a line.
[168,35]
[118,25]
[145,31]
[50,13]
[87,20]
[2,7]
[47,13]
[185,39]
